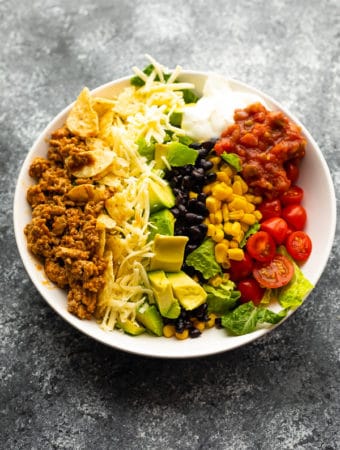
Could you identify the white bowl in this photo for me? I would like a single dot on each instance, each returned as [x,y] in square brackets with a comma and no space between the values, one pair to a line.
[319,201]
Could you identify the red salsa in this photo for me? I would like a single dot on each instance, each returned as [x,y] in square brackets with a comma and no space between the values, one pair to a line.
[268,143]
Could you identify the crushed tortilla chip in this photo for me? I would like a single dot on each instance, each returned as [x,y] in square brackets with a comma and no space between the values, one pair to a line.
[83,119]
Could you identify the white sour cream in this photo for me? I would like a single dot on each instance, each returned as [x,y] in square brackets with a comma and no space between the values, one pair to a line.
[214,111]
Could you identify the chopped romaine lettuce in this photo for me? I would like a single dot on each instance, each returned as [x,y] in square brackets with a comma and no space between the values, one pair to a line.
[233,160]
[203,259]
[223,298]
[247,318]
[251,230]
[293,294]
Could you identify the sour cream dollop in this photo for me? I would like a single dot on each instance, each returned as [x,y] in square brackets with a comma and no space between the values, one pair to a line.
[214,111]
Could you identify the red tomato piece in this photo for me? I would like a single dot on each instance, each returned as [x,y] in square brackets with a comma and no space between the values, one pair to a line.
[277,273]
[276,227]
[250,290]
[292,170]
[241,269]
[294,195]
[295,215]
[261,246]
[270,208]
[299,245]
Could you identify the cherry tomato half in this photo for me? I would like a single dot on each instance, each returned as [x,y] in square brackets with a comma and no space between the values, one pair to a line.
[241,269]
[270,208]
[250,290]
[278,272]
[299,245]
[261,246]
[295,215]
[294,195]
[276,227]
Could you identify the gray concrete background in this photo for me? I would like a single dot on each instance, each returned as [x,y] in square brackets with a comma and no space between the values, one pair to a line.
[61,390]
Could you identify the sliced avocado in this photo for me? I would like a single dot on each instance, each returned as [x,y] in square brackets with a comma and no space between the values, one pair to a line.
[161,222]
[176,154]
[131,327]
[160,196]
[167,304]
[149,316]
[189,293]
[168,253]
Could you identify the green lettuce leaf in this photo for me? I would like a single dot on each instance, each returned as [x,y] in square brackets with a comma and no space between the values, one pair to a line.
[233,160]
[247,318]
[251,230]
[223,298]
[203,259]
[293,294]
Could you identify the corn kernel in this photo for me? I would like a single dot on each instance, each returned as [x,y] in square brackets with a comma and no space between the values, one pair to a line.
[235,254]
[215,160]
[218,217]
[236,215]
[222,176]
[228,170]
[221,252]
[213,204]
[227,228]
[212,218]
[244,185]
[237,188]
[233,244]
[244,227]
[211,230]
[222,192]
[199,325]
[219,235]
[258,214]
[226,264]
[193,194]
[211,322]
[238,238]
[225,212]
[217,279]
[249,219]
[238,203]
[250,208]
[169,330]
[183,335]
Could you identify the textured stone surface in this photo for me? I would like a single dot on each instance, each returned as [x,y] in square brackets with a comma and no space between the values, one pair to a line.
[60,389]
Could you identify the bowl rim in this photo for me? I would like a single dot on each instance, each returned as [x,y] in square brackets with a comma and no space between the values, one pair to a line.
[190,351]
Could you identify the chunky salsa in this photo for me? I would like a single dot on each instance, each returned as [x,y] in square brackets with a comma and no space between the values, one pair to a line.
[269,145]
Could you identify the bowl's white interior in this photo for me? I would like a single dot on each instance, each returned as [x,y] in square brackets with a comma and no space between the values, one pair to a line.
[319,201]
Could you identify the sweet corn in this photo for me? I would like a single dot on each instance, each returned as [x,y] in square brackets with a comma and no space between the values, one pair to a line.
[193,195]
[221,252]
[213,204]
[223,176]
[216,280]
[199,325]
[244,185]
[169,330]
[233,244]
[222,191]
[249,219]
[218,217]
[219,235]
[237,188]
[211,322]
[211,230]
[235,254]
[236,215]
[183,335]
[225,212]
[238,203]
[258,215]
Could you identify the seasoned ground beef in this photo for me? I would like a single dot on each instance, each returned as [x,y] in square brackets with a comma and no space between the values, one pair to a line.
[63,230]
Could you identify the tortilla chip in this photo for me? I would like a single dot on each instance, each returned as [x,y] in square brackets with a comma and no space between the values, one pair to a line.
[83,119]
[99,161]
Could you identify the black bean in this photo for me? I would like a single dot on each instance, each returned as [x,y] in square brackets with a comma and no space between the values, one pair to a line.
[218,322]
[201,197]
[186,182]
[210,177]
[195,234]
[182,209]
[190,248]
[175,211]
[193,219]
[209,145]
[206,165]
[194,333]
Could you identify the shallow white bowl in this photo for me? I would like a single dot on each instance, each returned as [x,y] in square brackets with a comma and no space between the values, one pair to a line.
[319,201]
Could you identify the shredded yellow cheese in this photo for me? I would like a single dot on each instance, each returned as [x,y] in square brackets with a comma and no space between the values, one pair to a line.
[137,112]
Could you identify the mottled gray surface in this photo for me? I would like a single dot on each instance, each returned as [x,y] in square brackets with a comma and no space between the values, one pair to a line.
[60,389]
